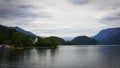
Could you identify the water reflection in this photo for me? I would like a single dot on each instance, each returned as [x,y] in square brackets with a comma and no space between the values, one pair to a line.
[63,57]
[8,58]
[110,55]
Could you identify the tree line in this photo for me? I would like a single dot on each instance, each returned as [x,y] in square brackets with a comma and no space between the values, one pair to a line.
[17,39]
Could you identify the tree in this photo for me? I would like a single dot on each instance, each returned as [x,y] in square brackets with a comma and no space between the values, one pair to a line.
[59,40]
[17,39]
[54,41]
[28,40]
[42,42]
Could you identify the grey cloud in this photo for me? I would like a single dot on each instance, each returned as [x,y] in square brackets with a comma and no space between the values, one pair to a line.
[10,10]
[9,13]
[112,17]
[25,6]
[98,4]
[105,5]
[79,2]
[16,13]
[8,0]
[116,6]
[112,20]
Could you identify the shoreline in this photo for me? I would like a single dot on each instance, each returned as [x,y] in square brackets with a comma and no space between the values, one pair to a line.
[29,47]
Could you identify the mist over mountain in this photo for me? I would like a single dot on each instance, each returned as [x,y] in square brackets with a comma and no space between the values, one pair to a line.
[68,38]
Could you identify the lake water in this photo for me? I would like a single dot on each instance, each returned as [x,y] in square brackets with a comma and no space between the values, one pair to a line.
[62,57]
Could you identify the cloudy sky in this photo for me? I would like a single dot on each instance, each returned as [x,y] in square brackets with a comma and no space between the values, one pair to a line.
[63,18]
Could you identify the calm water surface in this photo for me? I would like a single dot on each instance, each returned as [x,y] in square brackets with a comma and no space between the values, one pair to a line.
[62,57]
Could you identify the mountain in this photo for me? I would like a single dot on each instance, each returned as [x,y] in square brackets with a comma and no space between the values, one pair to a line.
[84,40]
[109,36]
[9,36]
[60,41]
[23,31]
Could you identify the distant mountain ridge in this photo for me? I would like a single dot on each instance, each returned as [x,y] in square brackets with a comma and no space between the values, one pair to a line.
[23,31]
[68,38]
[109,36]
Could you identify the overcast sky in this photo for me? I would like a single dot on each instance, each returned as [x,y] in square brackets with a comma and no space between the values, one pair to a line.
[63,18]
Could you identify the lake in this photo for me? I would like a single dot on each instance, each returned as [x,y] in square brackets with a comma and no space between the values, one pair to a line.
[62,57]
